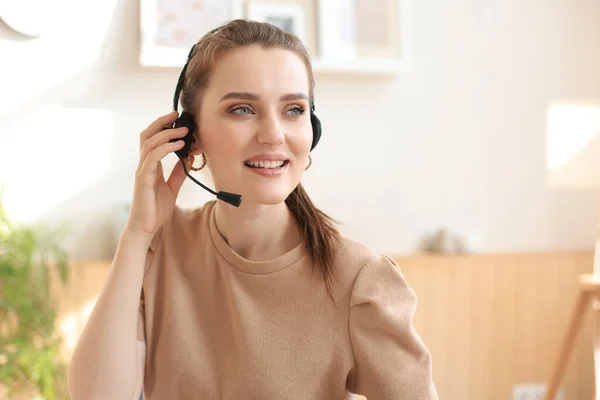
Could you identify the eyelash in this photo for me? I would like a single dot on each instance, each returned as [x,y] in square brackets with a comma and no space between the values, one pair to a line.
[300,109]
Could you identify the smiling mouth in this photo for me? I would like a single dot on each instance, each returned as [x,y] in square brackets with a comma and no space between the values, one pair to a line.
[266,164]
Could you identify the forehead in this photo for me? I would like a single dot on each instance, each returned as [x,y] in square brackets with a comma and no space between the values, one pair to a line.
[258,70]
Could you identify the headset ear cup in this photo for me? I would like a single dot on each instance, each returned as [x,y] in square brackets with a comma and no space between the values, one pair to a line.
[186,119]
[316,127]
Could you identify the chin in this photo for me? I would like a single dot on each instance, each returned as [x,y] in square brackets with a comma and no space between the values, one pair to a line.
[269,196]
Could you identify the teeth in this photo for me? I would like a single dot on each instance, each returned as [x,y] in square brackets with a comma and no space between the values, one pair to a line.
[265,164]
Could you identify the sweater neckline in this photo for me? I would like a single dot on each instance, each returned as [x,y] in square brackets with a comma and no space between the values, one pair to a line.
[253,267]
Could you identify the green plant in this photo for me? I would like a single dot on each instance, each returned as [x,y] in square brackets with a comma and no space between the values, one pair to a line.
[31,259]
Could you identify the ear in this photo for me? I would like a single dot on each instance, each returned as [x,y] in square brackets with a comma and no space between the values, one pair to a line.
[197,147]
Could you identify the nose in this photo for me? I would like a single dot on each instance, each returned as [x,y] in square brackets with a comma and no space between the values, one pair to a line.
[270,130]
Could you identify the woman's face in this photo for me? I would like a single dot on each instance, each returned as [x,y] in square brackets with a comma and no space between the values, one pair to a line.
[254,123]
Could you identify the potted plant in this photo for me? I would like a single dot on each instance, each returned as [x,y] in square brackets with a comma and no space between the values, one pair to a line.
[32,263]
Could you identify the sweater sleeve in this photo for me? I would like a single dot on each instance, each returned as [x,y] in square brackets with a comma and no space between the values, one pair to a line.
[391,360]
[141,317]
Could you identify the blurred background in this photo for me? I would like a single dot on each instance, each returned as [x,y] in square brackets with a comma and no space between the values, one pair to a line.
[434,150]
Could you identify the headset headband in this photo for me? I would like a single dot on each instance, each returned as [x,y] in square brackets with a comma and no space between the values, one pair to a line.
[181,80]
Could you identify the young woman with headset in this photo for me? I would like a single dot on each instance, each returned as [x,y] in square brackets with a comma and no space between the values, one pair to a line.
[253,297]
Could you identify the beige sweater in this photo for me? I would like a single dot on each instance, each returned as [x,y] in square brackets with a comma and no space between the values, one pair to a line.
[218,326]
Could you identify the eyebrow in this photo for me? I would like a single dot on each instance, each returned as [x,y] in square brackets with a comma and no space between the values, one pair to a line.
[254,97]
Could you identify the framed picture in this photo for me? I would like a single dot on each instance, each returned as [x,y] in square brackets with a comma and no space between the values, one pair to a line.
[368,36]
[295,16]
[169,28]
[376,28]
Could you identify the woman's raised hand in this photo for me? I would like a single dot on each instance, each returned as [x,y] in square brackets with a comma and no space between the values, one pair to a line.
[153,197]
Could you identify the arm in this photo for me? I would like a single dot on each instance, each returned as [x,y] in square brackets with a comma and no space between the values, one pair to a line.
[108,360]
[391,360]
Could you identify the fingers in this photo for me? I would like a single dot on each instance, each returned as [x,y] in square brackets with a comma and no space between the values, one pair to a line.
[154,156]
[160,139]
[158,125]
[176,178]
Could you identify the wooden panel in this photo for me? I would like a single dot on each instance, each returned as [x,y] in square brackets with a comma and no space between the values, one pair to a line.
[493,321]
[490,321]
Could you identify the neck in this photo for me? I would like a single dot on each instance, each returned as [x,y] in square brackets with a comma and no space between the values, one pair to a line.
[258,232]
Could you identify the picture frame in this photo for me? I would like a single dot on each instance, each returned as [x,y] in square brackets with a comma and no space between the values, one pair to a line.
[341,36]
[295,16]
[169,28]
[364,36]
[377,28]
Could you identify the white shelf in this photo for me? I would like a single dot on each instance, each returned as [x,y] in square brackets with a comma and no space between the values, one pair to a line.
[339,60]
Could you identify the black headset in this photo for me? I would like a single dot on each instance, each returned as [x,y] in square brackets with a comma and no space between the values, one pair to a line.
[186,119]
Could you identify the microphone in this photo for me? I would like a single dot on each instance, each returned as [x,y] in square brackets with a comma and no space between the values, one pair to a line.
[230,198]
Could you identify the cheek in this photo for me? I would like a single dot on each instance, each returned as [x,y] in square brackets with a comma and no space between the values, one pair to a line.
[301,140]
[224,137]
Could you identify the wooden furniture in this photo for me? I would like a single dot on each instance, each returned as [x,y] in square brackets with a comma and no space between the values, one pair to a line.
[573,164]
[588,294]
[491,321]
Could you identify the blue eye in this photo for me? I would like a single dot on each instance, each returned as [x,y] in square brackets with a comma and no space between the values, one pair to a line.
[296,111]
[241,110]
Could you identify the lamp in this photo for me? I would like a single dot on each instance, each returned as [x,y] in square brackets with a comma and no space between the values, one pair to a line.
[573,162]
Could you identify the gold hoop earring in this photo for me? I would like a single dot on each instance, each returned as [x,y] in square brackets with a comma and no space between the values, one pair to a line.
[309,162]
[191,166]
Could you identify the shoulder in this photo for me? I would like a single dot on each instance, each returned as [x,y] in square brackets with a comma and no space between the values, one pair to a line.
[183,225]
[364,273]
[381,281]
[189,217]
[186,223]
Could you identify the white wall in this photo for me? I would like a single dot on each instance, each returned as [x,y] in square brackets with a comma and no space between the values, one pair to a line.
[459,141]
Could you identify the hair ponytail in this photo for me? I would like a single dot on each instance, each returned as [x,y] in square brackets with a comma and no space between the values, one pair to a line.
[318,232]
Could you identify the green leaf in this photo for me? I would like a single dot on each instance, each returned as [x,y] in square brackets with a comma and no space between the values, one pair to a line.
[29,256]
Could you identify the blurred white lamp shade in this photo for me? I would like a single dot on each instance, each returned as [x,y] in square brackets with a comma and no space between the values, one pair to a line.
[573,145]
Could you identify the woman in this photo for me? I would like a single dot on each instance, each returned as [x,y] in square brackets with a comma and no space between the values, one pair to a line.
[266,300]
